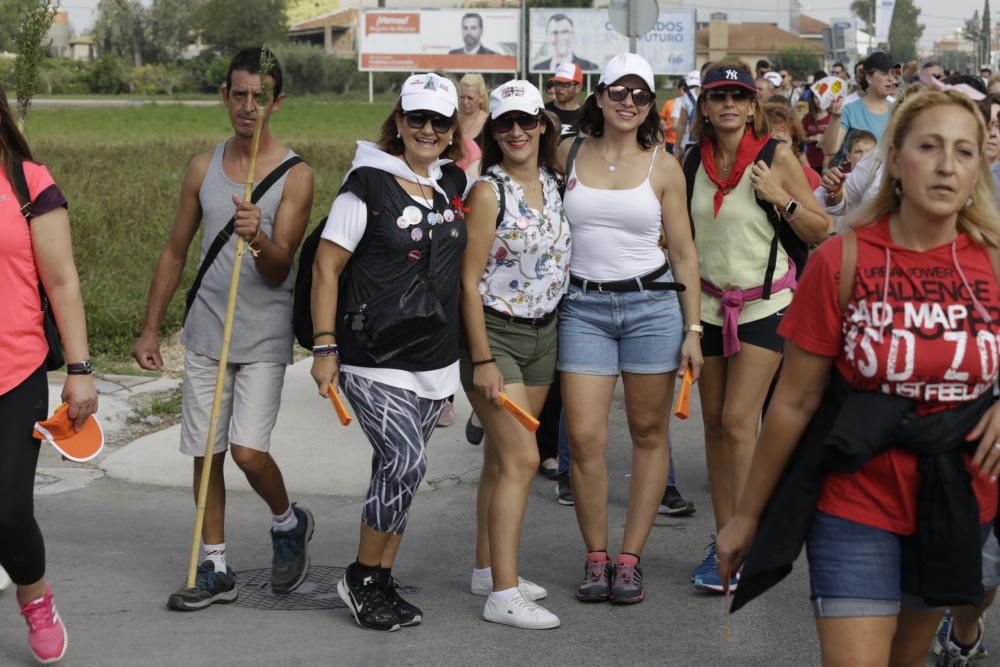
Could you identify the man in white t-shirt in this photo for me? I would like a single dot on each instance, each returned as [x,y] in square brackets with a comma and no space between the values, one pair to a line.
[683,112]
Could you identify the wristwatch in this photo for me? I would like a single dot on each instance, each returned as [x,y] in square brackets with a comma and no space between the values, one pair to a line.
[792,209]
[697,328]
[82,368]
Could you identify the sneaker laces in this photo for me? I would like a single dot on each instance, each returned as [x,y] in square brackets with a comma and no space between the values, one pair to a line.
[39,615]
[596,570]
[519,600]
[624,573]
[285,546]
[710,554]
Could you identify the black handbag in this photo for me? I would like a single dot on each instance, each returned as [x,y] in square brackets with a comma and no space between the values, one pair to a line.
[55,359]
[399,321]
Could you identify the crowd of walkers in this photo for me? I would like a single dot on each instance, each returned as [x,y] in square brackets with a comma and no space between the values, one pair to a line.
[828,278]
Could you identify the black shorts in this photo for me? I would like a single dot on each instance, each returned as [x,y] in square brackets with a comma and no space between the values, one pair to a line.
[762,333]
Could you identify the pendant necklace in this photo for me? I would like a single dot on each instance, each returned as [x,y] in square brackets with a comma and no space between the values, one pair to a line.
[433,217]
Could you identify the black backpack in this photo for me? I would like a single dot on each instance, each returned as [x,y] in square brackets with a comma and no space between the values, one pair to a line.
[796,248]
[302,321]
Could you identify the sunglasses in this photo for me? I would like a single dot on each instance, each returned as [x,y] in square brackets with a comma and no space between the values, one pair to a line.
[720,96]
[418,119]
[505,123]
[640,96]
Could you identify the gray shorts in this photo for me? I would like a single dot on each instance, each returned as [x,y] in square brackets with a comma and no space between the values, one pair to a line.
[251,396]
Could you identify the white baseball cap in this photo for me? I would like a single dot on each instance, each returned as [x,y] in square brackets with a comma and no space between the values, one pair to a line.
[429,92]
[693,79]
[774,78]
[625,64]
[516,95]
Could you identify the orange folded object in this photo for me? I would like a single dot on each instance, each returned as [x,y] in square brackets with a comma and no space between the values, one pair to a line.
[80,446]
[519,413]
[682,408]
[338,405]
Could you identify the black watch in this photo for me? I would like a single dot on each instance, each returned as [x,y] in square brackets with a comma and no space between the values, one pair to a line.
[792,209]
[82,368]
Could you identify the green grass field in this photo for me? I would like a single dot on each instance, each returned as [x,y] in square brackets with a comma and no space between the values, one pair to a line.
[121,171]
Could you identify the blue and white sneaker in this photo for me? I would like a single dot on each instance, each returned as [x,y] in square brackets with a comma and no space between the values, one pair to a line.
[948,653]
[706,576]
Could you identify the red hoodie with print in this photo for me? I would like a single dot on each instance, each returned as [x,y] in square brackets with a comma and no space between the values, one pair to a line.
[919,324]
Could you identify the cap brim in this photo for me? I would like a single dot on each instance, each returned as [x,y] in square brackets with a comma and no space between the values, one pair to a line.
[563,79]
[532,109]
[82,446]
[728,84]
[427,102]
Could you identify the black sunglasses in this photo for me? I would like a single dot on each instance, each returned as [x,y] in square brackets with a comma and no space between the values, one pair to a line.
[418,119]
[640,96]
[505,123]
[720,96]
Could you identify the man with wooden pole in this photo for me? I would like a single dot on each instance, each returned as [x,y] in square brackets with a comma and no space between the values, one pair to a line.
[237,332]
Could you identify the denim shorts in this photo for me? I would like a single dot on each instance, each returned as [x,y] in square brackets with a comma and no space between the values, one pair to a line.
[858,570]
[608,333]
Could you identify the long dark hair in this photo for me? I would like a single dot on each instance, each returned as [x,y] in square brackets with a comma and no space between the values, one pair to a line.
[390,141]
[13,145]
[546,148]
[591,122]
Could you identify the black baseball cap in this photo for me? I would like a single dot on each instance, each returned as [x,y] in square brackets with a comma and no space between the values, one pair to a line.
[881,61]
[728,77]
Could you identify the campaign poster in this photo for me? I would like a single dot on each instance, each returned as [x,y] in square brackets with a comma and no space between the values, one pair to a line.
[587,38]
[456,40]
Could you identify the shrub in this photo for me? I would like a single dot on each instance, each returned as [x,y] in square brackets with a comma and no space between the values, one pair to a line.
[153,79]
[108,74]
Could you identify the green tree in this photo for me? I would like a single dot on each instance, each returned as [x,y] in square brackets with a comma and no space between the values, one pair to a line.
[229,25]
[120,30]
[800,61]
[985,38]
[8,24]
[904,31]
[863,10]
[171,28]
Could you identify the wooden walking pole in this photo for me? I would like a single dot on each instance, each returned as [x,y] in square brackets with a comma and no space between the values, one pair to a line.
[227,331]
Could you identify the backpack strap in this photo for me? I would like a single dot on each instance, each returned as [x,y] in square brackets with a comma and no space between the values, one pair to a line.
[767,155]
[501,198]
[692,161]
[227,231]
[849,266]
[571,156]
[21,191]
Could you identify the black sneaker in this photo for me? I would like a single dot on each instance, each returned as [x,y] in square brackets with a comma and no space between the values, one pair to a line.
[210,587]
[564,491]
[367,602]
[290,563]
[673,503]
[409,614]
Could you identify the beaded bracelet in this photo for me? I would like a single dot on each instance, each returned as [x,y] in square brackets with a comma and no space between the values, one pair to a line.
[491,360]
[325,350]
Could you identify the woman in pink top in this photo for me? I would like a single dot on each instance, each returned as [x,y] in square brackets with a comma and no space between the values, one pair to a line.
[32,249]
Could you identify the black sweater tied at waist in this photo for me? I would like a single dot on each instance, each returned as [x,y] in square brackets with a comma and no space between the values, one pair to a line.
[848,430]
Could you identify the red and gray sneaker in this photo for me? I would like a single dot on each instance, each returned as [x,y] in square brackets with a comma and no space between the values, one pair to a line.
[626,587]
[46,632]
[597,573]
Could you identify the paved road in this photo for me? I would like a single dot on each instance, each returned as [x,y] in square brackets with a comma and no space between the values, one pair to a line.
[112,103]
[118,548]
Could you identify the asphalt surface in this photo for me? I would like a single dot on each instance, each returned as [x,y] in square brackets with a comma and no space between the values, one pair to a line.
[117,549]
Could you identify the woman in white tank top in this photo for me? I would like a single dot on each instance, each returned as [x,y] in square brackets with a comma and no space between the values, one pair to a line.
[622,314]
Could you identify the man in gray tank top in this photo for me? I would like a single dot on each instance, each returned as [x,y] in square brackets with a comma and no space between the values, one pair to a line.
[212,194]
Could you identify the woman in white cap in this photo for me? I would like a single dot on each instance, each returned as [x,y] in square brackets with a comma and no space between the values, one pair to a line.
[385,312]
[514,272]
[739,205]
[624,314]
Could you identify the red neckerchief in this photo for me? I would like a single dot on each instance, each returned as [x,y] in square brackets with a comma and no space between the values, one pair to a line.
[750,147]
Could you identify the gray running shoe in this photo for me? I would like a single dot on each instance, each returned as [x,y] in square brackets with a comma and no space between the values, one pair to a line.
[674,504]
[210,587]
[626,587]
[596,584]
[564,490]
[290,563]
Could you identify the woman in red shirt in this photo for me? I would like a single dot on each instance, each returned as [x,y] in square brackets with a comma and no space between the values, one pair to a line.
[33,250]
[921,323]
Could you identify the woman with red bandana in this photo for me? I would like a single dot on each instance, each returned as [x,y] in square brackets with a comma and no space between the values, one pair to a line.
[747,275]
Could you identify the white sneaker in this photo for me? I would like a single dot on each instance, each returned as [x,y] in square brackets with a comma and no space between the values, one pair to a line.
[519,612]
[4,579]
[484,586]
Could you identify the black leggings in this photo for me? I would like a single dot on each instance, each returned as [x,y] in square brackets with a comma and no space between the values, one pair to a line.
[22,551]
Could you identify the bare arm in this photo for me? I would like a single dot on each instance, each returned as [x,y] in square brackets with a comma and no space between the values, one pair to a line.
[785,181]
[480,224]
[327,267]
[796,398]
[682,254]
[274,260]
[170,265]
[52,245]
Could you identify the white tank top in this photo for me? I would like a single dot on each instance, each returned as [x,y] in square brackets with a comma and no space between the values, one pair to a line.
[616,233]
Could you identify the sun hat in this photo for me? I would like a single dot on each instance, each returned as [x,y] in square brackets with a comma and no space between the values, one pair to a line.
[429,92]
[80,446]
[693,79]
[625,64]
[568,73]
[515,95]
[728,77]
[774,78]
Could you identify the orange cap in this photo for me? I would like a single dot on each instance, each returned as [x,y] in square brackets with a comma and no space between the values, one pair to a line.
[80,446]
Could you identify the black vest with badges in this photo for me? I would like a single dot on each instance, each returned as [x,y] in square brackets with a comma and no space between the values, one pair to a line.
[394,249]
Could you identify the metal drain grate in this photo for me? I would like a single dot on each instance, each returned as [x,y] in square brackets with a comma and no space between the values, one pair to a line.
[318,591]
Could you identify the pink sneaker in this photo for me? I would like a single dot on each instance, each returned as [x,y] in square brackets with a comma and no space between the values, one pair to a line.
[46,633]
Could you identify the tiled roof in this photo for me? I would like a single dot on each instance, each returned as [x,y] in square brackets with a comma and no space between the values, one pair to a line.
[753,38]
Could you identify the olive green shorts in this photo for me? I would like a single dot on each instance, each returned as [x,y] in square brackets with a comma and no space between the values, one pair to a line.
[525,354]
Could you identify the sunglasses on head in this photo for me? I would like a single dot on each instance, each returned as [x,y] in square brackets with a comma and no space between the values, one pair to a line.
[640,96]
[735,94]
[418,119]
[505,123]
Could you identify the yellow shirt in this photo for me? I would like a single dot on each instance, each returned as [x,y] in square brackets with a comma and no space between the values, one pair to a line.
[733,248]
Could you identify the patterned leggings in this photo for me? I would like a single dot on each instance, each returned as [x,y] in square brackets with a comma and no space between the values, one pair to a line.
[398,424]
